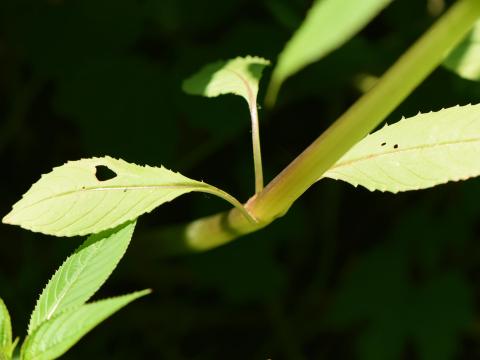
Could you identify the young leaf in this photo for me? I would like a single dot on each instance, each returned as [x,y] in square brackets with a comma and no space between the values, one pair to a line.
[82,274]
[5,330]
[92,195]
[465,58]
[328,25]
[416,153]
[239,76]
[55,336]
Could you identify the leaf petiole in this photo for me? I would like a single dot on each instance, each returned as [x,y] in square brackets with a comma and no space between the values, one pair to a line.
[257,154]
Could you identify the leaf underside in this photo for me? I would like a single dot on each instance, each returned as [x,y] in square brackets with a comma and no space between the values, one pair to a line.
[55,336]
[328,25]
[82,274]
[465,58]
[239,76]
[71,200]
[416,153]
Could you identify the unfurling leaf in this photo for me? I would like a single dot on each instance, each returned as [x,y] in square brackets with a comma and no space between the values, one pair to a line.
[82,274]
[465,58]
[74,200]
[58,334]
[416,153]
[239,76]
[328,25]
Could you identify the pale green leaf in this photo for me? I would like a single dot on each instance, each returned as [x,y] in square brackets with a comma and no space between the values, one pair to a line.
[465,58]
[82,274]
[70,200]
[239,76]
[328,25]
[416,153]
[5,330]
[55,336]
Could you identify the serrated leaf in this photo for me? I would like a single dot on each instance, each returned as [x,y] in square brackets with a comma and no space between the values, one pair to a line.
[5,330]
[82,274]
[416,153]
[55,336]
[328,25]
[239,76]
[74,200]
[464,59]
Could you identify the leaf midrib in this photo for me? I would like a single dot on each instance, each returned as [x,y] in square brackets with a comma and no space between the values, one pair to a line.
[413,148]
[70,284]
[204,187]
[246,84]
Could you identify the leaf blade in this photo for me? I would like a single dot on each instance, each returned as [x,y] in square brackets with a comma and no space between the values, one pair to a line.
[55,336]
[239,76]
[329,24]
[415,153]
[82,274]
[71,201]
[5,329]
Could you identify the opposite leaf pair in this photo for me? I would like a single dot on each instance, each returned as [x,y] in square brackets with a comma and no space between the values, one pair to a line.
[415,153]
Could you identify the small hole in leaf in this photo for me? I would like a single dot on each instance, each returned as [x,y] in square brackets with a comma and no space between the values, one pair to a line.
[384,143]
[103,173]
[395,146]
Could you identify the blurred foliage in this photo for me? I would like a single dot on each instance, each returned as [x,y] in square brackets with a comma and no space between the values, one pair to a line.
[464,59]
[346,274]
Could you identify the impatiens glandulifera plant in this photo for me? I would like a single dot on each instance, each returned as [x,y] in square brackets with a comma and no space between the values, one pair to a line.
[93,196]
[61,316]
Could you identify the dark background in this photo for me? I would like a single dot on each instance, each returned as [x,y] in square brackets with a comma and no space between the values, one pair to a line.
[346,274]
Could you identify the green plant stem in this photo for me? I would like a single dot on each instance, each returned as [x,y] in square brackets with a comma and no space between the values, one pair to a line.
[199,235]
[257,154]
[394,86]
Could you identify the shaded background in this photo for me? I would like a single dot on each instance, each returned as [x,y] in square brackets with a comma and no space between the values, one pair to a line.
[346,274]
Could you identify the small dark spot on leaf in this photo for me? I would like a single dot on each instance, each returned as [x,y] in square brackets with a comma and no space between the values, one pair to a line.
[104,173]
[395,146]
[384,143]
[124,190]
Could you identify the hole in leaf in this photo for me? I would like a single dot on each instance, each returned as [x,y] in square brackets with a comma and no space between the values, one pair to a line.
[104,173]
[395,146]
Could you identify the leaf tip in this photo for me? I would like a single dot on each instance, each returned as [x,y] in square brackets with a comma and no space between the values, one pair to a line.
[146,292]
[8,219]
